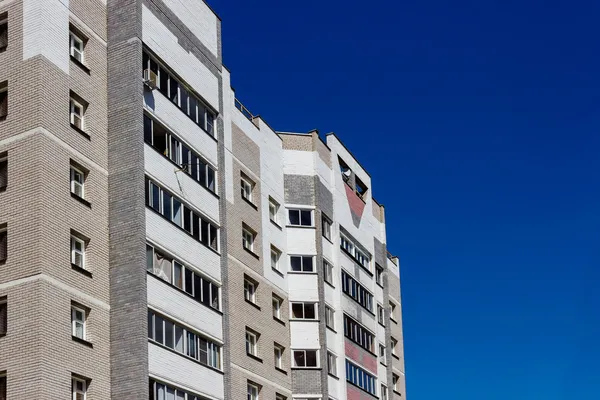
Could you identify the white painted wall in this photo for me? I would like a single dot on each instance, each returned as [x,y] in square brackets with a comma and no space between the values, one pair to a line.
[303,287]
[181,184]
[296,162]
[179,123]
[162,42]
[199,18]
[301,241]
[183,372]
[179,243]
[46,31]
[169,301]
[304,335]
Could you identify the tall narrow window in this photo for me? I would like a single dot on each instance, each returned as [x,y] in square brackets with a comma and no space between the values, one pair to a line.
[2,385]
[76,46]
[384,393]
[378,275]
[77,251]
[3,100]
[328,272]
[395,385]
[251,343]
[79,387]
[77,113]
[277,302]
[275,255]
[278,354]
[250,290]
[78,182]
[329,317]
[392,311]
[3,32]
[3,316]
[247,187]
[252,392]
[3,244]
[326,227]
[380,315]
[273,210]
[3,172]
[248,239]
[331,364]
[382,357]
[78,322]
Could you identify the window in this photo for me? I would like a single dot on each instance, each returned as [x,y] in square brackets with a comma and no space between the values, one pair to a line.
[305,358]
[3,32]
[3,316]
[78,251]
[247,187]
[384,393]
[2,385]
[181,96]
[3,100]
[358,292]
[78,322]
[304,311]
[361,378]
[252,391]
[328,272]
[275,256]
[172,209]
[395,385]
[331,364]
[394,345]
[359,334]
[273,210]
[250,290]
[277,302]
[78,182]
[278,354]
[169,269]
[248,239]
[3,172]
[393,311]
[79,388]
[300,217]
[251,343]
[77,113]
[353,251]
[326,226]
[77,45]
[301,263]
[378,275]
[3,244]
[174,336]
[380,315]
[280,397]
[173,148]
[382,354]
[160,391]
[329,317]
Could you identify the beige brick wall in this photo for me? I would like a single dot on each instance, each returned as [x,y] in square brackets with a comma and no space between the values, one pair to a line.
[297,142]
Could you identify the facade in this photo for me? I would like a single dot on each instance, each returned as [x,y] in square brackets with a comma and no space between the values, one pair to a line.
[158,241]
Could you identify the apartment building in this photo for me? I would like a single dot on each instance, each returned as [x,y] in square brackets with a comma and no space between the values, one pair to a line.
[158,240]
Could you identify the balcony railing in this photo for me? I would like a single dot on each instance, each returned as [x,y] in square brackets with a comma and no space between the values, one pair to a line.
[244,110]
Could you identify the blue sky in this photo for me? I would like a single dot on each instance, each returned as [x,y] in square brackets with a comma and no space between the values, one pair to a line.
[478,121]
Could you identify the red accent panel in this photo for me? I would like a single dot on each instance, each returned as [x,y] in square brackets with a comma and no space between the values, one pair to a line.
[361,357]
[353,393]
[355,202]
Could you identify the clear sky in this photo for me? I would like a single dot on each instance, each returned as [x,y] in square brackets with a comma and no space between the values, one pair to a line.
[478,121]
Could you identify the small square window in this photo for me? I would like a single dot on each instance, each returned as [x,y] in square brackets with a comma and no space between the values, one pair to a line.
[78,246]
[275,256]
[77,45]
[78,109]
[78,322]
[326,227]
[278,355]
[251,343]
[250,290]
[247,187]
[277,302]
[300,217]
[273,210]
[331,364]
[79,387]
[248,237]
[78,176]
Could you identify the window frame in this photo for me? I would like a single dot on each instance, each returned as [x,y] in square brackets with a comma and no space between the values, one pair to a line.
[248,238]
[383,392]
[379,275]
[380,314]
[250,287]
[73,103]
[3,316]
[395,379]
[302,261]
[253,391]
[278,355]
[75,390]
[326,227]
[393,311]
[394,345]
[4,22]
[274,207]
[74,171]
[251,343]
[304,305]
[3,243]
[332,364]
[275,259]
[277,309]
[247,188]
[300,211]
[4,93]
[74,310]
[3,171]
[329,317]
[306,366]
[74,38]
[328,272]
[76,240]
[382,357]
